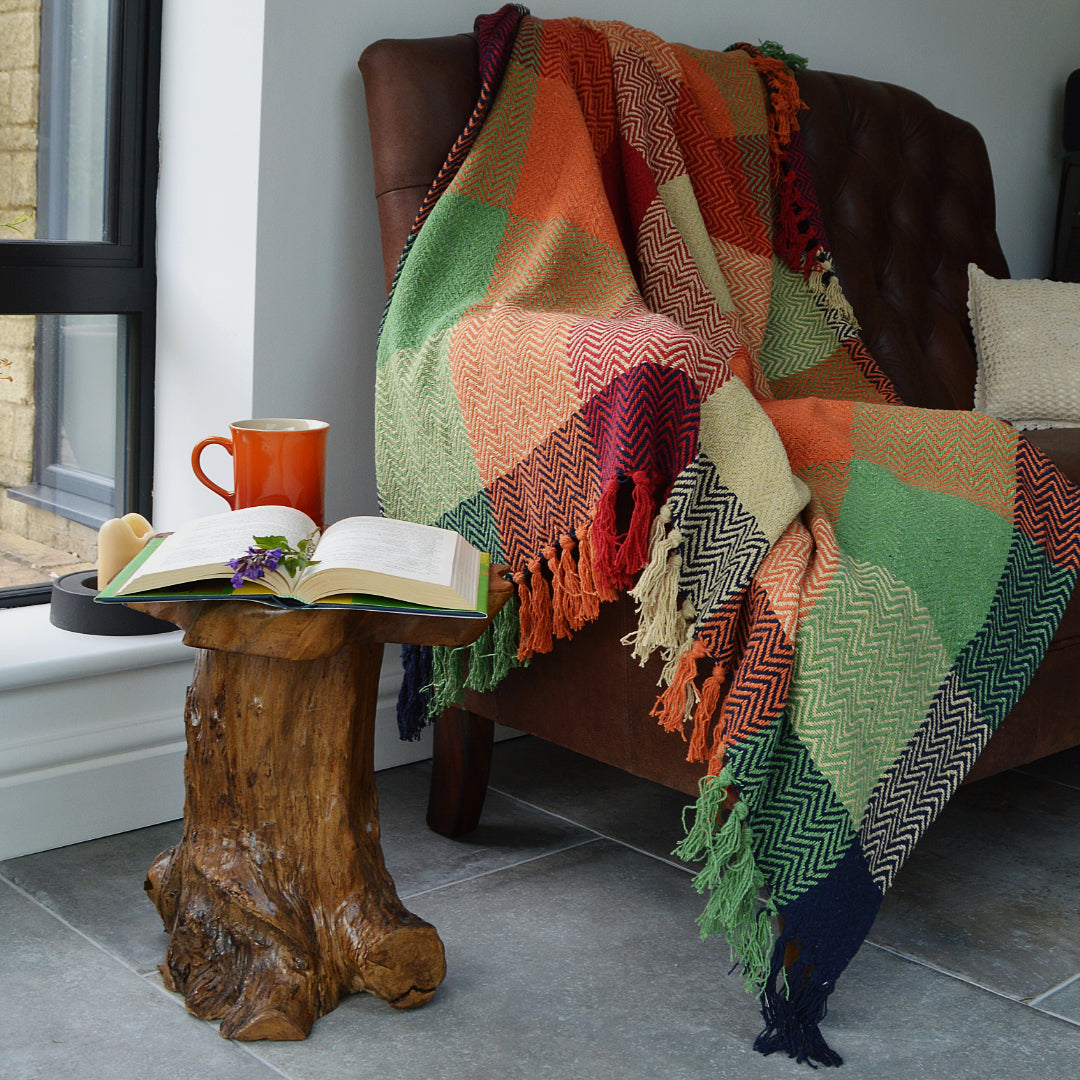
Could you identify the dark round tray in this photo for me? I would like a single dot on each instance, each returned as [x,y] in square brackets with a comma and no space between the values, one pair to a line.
[73,608]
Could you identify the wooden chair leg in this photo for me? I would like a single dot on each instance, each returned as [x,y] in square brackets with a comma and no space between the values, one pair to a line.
[461,765]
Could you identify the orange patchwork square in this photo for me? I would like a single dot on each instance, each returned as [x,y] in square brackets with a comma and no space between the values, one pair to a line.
[813,430]
[560,174]
[514,384]
[713,108]
[956,453]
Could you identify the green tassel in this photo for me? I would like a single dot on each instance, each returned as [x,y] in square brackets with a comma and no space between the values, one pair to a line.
[480,666]
[482,662]
[448,667]
[495,653]
[734,909]
[777,51]
[506,629]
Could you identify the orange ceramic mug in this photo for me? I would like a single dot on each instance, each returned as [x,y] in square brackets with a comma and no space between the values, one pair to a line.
[276,462]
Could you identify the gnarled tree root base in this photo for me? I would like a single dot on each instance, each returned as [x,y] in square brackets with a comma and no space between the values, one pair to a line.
[277,900]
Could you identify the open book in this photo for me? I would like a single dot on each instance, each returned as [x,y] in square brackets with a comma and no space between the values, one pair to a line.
[370,562]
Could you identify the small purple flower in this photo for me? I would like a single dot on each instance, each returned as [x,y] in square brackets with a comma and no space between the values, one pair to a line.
[253,565]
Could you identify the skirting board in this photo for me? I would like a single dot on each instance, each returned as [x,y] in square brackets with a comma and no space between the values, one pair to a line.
[92,732]
[90,756]
[98,751]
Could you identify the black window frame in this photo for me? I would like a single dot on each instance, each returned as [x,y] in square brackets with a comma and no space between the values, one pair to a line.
[117,276]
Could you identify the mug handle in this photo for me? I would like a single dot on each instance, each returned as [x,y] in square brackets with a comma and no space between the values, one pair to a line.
[196,453]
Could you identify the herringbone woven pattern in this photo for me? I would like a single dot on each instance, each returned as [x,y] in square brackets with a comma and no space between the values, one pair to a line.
[607,362]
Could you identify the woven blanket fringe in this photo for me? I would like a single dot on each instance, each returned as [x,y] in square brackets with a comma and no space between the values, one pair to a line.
[480,666]
[558,594]
[561,589]
[666,624]
[721,835]
[793,1006]
[437,677]
[414,696]
[823,281]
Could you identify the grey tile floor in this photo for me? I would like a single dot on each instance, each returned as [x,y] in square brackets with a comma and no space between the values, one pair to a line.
[573,953]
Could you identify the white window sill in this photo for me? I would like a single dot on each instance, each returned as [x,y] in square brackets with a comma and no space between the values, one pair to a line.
[33,652]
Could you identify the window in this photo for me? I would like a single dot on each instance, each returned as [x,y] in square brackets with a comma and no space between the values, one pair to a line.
[78,174]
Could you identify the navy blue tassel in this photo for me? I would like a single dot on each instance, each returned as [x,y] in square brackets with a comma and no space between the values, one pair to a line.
[791,1023]
[828,922]
[415,694]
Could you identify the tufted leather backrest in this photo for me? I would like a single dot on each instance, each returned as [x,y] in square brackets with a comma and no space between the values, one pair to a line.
[907,200]
[905,189]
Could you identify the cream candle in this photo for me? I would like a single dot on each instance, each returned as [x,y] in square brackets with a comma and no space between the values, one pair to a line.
[119,541]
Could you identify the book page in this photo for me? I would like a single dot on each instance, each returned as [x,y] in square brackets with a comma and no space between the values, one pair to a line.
[212,541]
[399,548]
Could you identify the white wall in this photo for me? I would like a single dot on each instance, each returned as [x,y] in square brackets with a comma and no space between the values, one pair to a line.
[211,91]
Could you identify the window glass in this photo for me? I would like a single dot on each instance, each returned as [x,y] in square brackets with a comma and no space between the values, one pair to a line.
[73,121]
[89,360]
[78,156]
[36,541]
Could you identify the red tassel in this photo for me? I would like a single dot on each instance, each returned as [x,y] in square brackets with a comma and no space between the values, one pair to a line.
[605,538]
[590,594]
[634,552]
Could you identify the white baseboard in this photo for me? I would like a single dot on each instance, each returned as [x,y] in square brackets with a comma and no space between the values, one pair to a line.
[92,732]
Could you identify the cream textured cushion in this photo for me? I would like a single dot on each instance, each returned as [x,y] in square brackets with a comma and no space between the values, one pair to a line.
[1027,341]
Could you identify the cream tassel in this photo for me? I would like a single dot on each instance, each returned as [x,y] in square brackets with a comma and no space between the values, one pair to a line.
[657,593]
[831,292]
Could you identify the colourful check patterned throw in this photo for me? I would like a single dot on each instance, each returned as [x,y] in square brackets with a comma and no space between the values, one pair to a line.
[616,357]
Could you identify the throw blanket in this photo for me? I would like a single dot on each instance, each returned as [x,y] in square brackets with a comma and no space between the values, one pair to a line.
[616,357]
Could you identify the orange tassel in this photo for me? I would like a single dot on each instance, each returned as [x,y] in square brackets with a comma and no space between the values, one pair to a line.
[704,714]
[541,640]
[566,586]
[784,100]
[672,707]
[558,608]
[525,616]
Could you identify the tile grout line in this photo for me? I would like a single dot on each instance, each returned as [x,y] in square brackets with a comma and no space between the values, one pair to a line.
[147,978]
[1039,998]
[70,926]
[614,839]
[499,869]
[978,985]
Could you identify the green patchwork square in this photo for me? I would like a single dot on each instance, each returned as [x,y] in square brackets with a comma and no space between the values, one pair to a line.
[797,337]
[441,280]
[868,661]
[424,461]
[951,552]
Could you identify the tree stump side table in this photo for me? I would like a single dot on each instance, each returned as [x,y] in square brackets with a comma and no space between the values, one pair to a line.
[277,900]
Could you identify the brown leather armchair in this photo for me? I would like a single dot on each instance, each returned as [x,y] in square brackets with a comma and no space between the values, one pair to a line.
[908,201]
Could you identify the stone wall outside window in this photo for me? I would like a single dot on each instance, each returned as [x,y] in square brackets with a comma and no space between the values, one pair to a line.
[20,47]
